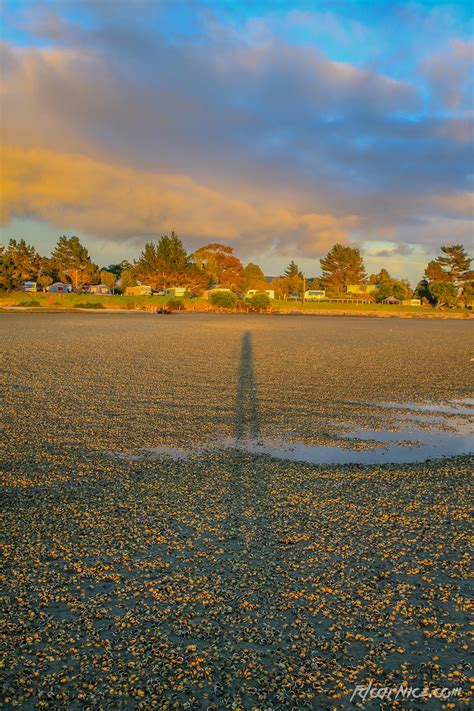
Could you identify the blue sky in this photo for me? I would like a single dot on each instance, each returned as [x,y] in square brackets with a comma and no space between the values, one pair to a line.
[276,127]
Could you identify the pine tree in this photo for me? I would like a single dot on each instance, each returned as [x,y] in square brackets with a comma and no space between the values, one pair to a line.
[456,262]
[292,270]
[164,264]
[25,257]
[435,274]
[72,262]
[342,266]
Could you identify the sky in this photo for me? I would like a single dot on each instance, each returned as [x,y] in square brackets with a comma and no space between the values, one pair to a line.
[277,127]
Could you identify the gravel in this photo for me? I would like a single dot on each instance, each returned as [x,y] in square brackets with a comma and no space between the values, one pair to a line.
[226,579]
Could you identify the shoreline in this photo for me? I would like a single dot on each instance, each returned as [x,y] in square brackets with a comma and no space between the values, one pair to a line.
[364,314]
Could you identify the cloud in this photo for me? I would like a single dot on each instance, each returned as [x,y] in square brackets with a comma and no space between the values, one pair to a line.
[459,205]
[449,73]
[114,202]
[226,131]
[402,250]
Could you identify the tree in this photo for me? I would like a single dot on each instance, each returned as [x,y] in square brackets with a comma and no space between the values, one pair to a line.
[151,268]
[422,291]
[435,274]
[26,259]
[259,302]
[9,273]
[72,262]
[444,294]
[253,277]
[220,264]
[291,282]
[456,262]
[467,296]
[342,266]
[224,299]
[117,269]
[292,271]
[449,276]
[44,280]
[379,278]
[197,280]
[164,264]
[389,286]
[127,278]
[107,278]
[279,286]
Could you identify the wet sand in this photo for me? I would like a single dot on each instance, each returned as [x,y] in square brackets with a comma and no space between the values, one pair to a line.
[227,578]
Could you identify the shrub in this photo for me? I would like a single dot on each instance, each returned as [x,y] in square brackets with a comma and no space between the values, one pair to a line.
[242,305]
[89,305]
[31,303]
[224,299]
[259,302]
[444,294]
[175,304]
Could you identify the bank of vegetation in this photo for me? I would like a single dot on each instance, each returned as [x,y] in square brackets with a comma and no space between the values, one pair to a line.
[214,278]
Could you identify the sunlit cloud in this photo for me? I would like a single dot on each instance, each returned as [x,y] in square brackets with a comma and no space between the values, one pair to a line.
[114,201]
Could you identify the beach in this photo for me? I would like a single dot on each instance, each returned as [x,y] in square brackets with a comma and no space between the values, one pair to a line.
[190,520]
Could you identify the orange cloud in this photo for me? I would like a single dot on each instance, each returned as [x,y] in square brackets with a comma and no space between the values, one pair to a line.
[110,200]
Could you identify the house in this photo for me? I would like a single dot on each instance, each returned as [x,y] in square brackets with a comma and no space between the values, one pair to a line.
[315,294]
[361,288]
[176,291]
[252,292]
[59,287]
[411,302]
[140,290]
[28,286]
[101,289]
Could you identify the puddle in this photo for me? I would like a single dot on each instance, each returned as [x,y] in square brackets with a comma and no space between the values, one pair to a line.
[420,447]
[428,436]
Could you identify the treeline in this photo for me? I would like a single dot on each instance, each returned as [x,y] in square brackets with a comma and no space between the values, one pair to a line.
[448,280]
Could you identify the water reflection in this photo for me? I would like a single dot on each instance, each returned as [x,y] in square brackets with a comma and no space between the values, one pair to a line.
[428,436]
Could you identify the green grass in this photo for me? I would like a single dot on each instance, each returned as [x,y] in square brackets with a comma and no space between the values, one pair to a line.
[69,301]
[58,302]
[89,305]
[30,303]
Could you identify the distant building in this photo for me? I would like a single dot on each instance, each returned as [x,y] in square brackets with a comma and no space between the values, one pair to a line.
[252,292]
[411,302]
[140,290]
[361,288]
[60,287]
[29,286]
[176,291]
[315,294]
[101,289]
[391,300]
